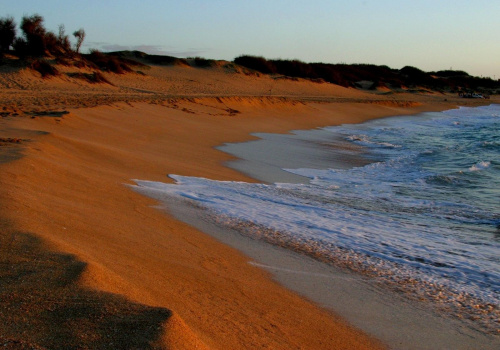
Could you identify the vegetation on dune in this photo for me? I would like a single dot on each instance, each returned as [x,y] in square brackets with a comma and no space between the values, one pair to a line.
[44,68]
[108,63]
[159,60]
[7,33]
[36,41]
[203,62]
[80,36]
[93,78]
[40,49]
[350,75]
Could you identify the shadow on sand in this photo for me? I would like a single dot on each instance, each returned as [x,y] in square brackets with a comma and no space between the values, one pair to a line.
[42,306]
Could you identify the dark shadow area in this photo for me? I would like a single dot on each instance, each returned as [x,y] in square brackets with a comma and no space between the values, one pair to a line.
[12,142]
[11,66]
[9,153]
[54,114]
[43,307]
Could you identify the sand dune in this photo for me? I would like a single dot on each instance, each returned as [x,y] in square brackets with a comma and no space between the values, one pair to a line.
[88,262]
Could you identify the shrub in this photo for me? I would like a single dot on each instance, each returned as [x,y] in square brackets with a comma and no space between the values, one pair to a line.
[108,63]
[33,25]
[114,65]
[260,64]
[7,33]
[161,60]
[203,62]
[34,32]
[63,61]
[44,68]
[83,63]
[295,68]
[349,74]
[80,36]
[20,46]
[38,42]
[411,71]
[123,57]
[51,44]
[95,77]
[63,40]
[450,73]
[58,45]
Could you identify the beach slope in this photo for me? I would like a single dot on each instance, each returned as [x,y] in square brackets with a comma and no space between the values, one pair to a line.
[88,262]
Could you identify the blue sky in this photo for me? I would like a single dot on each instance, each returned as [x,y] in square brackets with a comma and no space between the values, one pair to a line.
[430,35]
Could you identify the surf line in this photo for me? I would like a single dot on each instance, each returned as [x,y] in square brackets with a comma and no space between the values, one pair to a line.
[316,274]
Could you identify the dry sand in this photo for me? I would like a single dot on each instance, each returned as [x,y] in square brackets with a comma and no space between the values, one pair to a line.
[87,262]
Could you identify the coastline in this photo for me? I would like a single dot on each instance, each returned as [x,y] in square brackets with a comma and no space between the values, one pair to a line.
[389,316]
[68,190]
[398,322]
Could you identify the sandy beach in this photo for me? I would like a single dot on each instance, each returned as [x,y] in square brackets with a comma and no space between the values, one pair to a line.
[88,262]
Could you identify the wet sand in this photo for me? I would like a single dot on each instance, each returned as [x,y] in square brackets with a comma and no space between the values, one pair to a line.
[264,159]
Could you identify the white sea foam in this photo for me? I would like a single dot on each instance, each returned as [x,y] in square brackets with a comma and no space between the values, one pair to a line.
[480,166]
[365,140]
[312,213]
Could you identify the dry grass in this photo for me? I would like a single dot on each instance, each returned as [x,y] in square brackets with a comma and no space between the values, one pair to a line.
[93,78]
[44,68]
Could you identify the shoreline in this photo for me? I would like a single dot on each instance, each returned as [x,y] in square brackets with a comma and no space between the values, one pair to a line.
[68,191]
[376,309]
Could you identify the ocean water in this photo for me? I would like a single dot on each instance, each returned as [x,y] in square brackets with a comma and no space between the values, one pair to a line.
[421,214]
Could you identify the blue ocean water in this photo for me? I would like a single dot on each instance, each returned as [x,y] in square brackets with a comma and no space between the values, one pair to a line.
[423,216]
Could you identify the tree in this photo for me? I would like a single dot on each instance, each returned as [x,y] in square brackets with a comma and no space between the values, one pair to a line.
[7,33]
[62,39]
[20,47]
[34,32]
[80,36]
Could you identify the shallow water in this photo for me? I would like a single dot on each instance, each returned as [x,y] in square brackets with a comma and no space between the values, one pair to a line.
[420,211]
